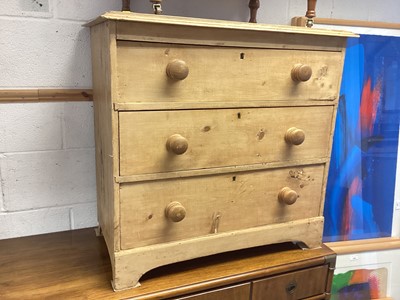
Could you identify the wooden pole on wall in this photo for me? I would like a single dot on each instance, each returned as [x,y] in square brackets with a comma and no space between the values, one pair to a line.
[41,95]
[301,21]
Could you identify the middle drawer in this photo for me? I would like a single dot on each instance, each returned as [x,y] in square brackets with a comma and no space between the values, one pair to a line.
[165,141]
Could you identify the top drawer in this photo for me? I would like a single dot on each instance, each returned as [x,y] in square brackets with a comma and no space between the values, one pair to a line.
[222,73]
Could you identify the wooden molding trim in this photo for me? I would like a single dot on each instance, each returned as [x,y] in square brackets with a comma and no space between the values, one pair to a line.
[301,21]
[43,95]
[378,244]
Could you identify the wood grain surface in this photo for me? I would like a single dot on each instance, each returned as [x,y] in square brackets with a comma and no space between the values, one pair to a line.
[142,61]
[212,24]
[76,265]
[44,95]
[223,73]
[220,138]
[243,200]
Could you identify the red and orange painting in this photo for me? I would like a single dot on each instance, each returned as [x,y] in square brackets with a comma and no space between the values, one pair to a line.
[360,284]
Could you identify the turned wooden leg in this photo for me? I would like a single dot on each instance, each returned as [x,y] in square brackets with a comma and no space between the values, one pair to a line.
[126,5]
[310,14]
[157,6]
[254,5]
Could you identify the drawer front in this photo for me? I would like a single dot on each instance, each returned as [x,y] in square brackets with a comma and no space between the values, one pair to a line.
[213,204]
[218,138]
[222,74]
[238,292]
[295,285]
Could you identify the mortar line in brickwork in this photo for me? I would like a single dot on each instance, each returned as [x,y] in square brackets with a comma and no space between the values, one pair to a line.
[63,133]
[2,207]
[48,151]
[82,22]
[44,19]
[71,219]
[67,206]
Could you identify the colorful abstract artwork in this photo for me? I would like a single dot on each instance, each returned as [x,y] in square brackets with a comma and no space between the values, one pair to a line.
[361,182]
[360,284]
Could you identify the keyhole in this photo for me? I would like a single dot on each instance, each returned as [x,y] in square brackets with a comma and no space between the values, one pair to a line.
[291,287]
[239,116]
[242,55]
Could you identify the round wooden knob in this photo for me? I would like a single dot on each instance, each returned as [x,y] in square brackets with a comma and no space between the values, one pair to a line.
[177,69]
[177,144]
[175,212]
[295,136]
[287,196]
[301,72]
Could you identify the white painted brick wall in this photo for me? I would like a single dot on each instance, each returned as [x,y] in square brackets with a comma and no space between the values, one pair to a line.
[78,125]
[31,8]
[31,222]
[44,53]
[279,11]
[1,198]
[83,215]
[30,127]
[47,170]
[83,10]
[47,178]
[14,224]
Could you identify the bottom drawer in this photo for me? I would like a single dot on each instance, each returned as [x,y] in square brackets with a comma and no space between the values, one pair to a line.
[295,285]
[216,204]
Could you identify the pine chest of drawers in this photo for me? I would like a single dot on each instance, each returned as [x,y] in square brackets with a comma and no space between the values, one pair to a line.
[211,136]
